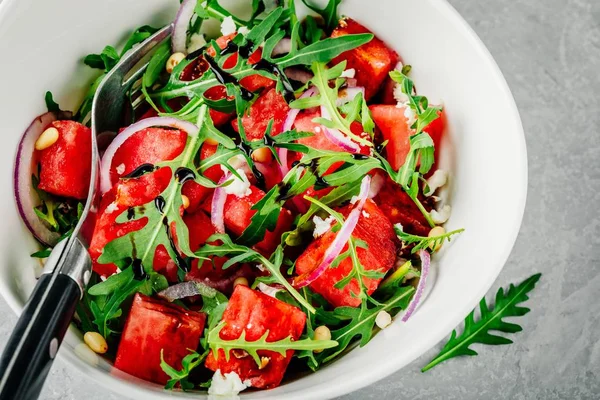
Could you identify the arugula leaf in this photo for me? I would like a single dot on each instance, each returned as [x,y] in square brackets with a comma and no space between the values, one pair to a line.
[188,363]
[240,254]
[506,305]
[280,346]
[156,64]
[106,60]
[51,105]
[329,13]
[423,242]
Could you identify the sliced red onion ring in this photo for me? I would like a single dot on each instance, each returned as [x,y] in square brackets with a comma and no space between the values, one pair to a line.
[340,240]
[180,26]
[425,263]
[288,125]
[105,181]
[187,289]
[218,206]
[283,47]
[298,74]
[336,137]
[348,94]
[25,195]
[376,185]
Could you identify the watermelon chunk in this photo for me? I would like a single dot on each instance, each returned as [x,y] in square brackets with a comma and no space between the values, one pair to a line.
[195,192]
[148,146]
[154,326]
[66,165]
[269,106]
[377,232]
[256,313]
[127,193]
[393,125]
[372,61]
[205,271]
[238,213]
[400,208]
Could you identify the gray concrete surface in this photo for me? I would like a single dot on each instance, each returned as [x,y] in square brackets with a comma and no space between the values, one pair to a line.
[550,53]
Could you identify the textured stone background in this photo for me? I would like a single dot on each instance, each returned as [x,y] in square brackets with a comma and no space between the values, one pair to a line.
[549,52]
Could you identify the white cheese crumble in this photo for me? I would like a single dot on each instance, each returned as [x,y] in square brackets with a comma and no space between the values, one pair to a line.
[317,129]
[442,215]
[399,95]
[228,26]
[268,290]
[322,226]
[366,214]
[383,319]
[120,168]
[228,384]
[197,41]
[239,187]
[436,181]
[243,30]
[399,227]
[112,207]
[410,115]
[348,73]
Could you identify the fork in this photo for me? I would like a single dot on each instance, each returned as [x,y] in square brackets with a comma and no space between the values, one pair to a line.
[34,342]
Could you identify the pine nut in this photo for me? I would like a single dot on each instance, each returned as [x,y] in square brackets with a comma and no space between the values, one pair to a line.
[172,62]
[383,319]
[436,231]
[264,361]
[96,342]
[47,138]
[262,155]
[240,281]
[322,333]
[185,201]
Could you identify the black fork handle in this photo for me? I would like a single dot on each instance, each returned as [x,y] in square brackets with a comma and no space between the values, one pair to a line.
[29,353]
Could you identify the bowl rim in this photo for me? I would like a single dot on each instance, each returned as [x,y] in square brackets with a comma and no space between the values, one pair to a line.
[389,365]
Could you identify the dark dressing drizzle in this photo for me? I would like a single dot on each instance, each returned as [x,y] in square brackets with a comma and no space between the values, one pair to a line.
[295,163]
[196,53]
[288,89]
[178,259]
[184,174]
[130,213]
[284,189]
[225,77]
[379,148]
[141,170]
[159,202]
[360,157]
[138,270]
[246,50]
[230,48]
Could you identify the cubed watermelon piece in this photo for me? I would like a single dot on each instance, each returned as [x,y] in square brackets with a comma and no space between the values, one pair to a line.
[256,313]
[238,213]
[436,130]
[400,208]
[375,229]
[195,192]
[269,106]
[393,125]
[66,165]
[211,272]
[127,193]
[154,326]
[372,61]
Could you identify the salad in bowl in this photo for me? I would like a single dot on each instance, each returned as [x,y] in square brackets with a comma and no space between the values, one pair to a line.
[271,200]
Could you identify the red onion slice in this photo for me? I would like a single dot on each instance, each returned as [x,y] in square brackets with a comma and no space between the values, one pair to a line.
[336,137]
[180,26]
[288,125]
[218,206]
[187,289]
[25,195]
[105,164]
[340,240]
[376,185]
[348,94]
[298,74]
[283,47]
[425,264]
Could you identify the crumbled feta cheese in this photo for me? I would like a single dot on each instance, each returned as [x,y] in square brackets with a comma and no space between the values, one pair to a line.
[410,115]
[399,95]
[112,207]
[399,227]
[228,384]
[348,73]
[366,214]
[383,319]
[239,187]
[243,30]
[437,180]
[317,129]
[322,226]
[120,168]
[442,215]
[228,26]
[268,290]
[197,41]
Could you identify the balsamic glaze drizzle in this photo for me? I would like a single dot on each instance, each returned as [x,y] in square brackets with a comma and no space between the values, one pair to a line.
[178,259]
[141,170]
[225,77]
[359,156]
[130,213]
[184,174]
[159,202]
[138,270]
[288,89]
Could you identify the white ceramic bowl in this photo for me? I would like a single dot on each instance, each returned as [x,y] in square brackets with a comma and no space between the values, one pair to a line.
[41,43]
